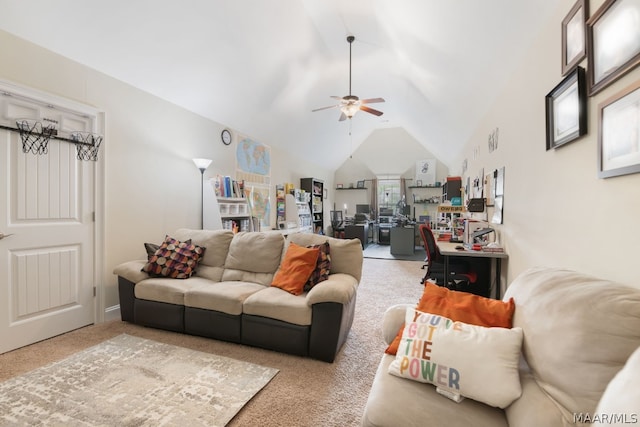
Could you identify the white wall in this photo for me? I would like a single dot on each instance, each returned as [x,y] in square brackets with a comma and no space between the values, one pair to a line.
[557,212]
[384,152]
[152,185]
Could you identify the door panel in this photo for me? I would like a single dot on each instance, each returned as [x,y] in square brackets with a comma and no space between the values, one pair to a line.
[47,263]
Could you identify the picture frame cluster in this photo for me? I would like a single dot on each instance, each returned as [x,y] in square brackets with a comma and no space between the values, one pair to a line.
[610,41]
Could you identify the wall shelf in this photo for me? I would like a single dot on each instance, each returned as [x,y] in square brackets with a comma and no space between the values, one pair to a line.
[425,186]
[352,188]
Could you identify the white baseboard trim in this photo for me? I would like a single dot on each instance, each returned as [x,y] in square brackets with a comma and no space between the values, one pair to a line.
[112,313]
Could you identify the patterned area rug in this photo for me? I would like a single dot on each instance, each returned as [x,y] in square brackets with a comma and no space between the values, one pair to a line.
[130,381]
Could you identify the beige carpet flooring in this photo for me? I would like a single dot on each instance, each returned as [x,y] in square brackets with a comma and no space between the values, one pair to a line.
[305,392]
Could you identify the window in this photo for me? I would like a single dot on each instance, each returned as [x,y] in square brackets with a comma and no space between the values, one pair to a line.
[388,195]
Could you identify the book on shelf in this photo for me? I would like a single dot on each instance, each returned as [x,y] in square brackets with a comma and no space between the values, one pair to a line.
[226,187]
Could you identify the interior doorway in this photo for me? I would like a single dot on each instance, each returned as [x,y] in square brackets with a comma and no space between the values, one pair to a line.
[50,220]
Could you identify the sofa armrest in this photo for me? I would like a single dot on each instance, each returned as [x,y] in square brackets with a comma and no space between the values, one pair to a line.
[132,271]
[392,320]
[339,288]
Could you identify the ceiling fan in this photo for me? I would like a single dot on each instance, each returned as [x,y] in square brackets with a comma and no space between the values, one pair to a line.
[350,104]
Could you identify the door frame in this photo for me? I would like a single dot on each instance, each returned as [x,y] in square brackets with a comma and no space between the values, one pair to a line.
[99,181]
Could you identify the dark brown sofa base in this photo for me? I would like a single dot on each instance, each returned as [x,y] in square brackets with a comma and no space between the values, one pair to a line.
[321,340]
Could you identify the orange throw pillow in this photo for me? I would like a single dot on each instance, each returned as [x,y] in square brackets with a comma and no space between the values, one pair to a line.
[296,268]
[461,307]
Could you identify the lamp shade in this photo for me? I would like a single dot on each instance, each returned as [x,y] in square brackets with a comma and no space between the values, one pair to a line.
[202,164]
[350,109]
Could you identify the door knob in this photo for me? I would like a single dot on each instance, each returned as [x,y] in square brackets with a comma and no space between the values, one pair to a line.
[2,235]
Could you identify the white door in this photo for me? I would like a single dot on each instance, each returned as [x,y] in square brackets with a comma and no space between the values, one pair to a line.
[47,217]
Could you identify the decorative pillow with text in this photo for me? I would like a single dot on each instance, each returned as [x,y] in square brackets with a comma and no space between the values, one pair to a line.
[462,307]
[463,360]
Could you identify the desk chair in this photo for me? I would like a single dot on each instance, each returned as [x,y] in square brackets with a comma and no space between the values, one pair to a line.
[337,224]
[460,275]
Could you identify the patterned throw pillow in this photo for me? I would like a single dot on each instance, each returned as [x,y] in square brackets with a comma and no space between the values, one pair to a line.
[174,259]
[323,266]
[151,248]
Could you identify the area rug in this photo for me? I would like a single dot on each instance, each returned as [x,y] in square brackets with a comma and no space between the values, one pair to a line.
[384,252]
[130,381]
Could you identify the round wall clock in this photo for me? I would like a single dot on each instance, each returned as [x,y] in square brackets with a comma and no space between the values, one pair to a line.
[226,137]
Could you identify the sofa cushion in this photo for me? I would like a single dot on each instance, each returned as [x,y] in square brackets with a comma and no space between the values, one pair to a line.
[215,241]
[132,271]
[226,297]
[573,324]
[253,257]
[460,358]
[346,254]
[621,398]
[340,288]
[323,266]
[174,259]
[163,289]
[395,401]
[275,303]
[536,409]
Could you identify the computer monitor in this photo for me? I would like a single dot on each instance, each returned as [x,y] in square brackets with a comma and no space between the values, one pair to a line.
[363,209]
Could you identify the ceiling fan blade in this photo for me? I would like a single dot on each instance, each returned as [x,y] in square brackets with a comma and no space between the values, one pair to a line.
[343,117]
[324,108]
[371,100]
[371,110]
[336,97]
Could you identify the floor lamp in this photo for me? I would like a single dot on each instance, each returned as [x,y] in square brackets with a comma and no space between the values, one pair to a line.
[202,164]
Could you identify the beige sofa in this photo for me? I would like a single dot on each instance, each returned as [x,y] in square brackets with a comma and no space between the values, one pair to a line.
[578,334]
[230,297]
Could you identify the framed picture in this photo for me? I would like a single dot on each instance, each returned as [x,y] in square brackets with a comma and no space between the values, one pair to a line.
[574,43]
[339,186]
[426,171]
[566,110]
[489,189]
[360,184]
[419,183]
[613,42]
[619,133]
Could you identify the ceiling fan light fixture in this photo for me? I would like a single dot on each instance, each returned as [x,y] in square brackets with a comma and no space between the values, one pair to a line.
[350,110]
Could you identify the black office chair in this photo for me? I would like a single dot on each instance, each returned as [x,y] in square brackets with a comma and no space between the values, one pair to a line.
[337,224]
[460,274]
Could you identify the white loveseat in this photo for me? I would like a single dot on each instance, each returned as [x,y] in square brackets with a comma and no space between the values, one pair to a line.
[578,334]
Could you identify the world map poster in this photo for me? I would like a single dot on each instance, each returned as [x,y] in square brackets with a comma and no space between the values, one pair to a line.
[253,166]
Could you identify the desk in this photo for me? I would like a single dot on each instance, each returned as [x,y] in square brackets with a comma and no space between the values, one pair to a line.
[402,240]
[448,249]
[358,231]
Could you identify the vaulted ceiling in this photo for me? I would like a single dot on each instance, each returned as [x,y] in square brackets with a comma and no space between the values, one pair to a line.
[260,66]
